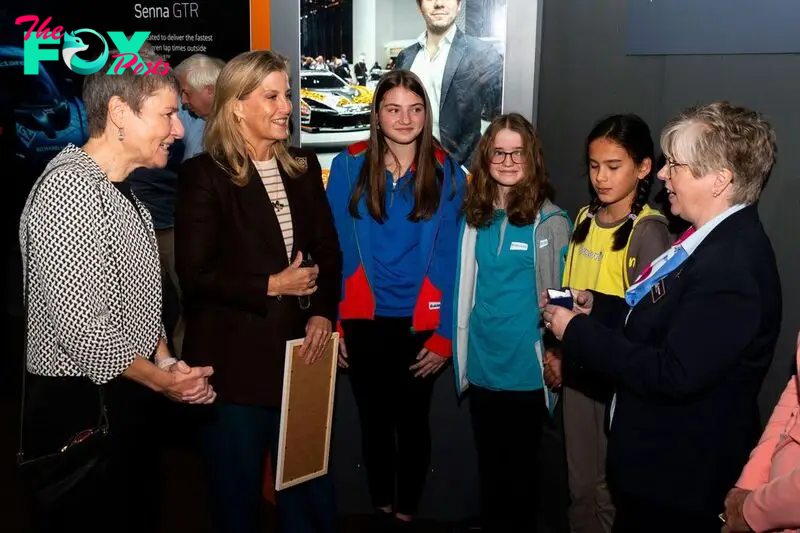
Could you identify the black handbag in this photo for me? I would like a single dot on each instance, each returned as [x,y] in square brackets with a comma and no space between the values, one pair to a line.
[82,460]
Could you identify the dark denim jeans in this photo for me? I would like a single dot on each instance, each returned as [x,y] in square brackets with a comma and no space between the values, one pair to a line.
[235,442]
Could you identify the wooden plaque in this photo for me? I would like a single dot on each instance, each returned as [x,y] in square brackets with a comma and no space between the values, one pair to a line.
[306,415]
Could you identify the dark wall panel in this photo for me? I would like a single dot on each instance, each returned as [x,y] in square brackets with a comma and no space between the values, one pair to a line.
[713,27]
[586,75]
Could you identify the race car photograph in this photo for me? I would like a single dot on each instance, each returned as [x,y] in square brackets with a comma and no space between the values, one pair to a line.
[330,104]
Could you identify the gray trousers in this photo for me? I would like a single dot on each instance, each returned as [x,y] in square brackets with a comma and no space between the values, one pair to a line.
[591,509]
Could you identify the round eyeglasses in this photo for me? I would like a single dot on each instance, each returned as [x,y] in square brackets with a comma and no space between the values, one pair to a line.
[499,156]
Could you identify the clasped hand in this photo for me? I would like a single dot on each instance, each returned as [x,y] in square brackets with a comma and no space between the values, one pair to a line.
[734,520]
[190,384]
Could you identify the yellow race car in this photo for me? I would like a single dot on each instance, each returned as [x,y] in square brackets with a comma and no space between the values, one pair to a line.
[330,104]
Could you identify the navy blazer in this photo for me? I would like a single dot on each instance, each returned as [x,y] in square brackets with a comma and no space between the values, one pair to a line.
[472,87]
[687,368]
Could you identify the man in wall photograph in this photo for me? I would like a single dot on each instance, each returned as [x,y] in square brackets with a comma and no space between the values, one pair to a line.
[462,74]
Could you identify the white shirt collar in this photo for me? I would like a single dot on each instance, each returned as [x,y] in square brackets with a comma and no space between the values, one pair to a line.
[693,241]
[448,37]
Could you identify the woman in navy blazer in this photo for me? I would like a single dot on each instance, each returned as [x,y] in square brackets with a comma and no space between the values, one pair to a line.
[689,346]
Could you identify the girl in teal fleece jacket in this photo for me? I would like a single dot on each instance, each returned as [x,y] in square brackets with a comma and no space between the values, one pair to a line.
[513,244]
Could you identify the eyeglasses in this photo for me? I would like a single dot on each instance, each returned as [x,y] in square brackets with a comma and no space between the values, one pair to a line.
[672,165]
[499,156]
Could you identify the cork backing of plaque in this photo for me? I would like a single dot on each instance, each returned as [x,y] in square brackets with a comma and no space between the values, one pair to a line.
[306,415]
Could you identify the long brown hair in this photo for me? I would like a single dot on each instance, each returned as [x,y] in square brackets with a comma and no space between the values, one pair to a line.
[526,197]
[223,139]
[372,179]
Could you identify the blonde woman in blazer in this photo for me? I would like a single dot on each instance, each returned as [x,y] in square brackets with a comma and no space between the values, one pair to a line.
[249,210]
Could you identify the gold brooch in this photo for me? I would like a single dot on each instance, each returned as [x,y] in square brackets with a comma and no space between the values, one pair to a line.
[302,162]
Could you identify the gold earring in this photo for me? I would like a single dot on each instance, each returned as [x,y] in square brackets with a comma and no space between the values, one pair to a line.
[121,135]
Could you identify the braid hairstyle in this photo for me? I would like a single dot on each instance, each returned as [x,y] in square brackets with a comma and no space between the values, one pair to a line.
[582,229]
[623,232]
[631,133]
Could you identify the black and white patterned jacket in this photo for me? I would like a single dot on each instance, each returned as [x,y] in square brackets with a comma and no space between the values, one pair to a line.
[91,265]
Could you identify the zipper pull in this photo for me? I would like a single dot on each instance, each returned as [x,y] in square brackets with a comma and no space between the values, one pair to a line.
[394,189]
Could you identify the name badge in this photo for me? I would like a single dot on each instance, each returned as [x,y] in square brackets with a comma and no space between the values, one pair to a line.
[543,243]
[521,246]
[658,291]
[433,306]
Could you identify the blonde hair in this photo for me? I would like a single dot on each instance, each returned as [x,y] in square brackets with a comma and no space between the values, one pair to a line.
[718,136]
[223,138]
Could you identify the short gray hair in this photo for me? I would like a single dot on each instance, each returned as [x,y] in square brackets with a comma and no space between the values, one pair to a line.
[133,89]
[200,70]
[716,136]
[146,49]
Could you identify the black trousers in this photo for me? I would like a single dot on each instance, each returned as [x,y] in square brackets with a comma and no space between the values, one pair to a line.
[393,408]
[126,499]
[508,431]
[635,516]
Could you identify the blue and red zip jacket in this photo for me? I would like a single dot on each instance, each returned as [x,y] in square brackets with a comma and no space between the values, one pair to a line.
[433,310]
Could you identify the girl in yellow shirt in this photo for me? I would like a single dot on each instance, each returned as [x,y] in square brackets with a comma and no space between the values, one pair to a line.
[616,236]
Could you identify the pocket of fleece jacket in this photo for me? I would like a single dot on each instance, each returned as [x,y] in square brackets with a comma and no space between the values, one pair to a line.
[427,311]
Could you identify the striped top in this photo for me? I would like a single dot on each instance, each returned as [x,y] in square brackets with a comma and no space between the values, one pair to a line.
[271,178]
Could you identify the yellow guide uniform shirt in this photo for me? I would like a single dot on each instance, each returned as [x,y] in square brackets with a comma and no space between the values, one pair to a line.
[593,265]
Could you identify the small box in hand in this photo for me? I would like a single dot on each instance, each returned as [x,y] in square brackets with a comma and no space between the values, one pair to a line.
[560,297]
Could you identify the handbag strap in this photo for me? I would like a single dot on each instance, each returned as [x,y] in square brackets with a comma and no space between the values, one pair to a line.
[103,419]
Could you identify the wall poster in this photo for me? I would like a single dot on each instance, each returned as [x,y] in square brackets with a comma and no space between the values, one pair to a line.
[346,45]
[40,114]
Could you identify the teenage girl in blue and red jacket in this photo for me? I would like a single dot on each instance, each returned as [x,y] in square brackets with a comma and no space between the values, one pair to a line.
[396,201]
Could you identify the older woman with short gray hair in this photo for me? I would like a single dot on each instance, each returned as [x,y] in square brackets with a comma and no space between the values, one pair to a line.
[95,342]
[688,347]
